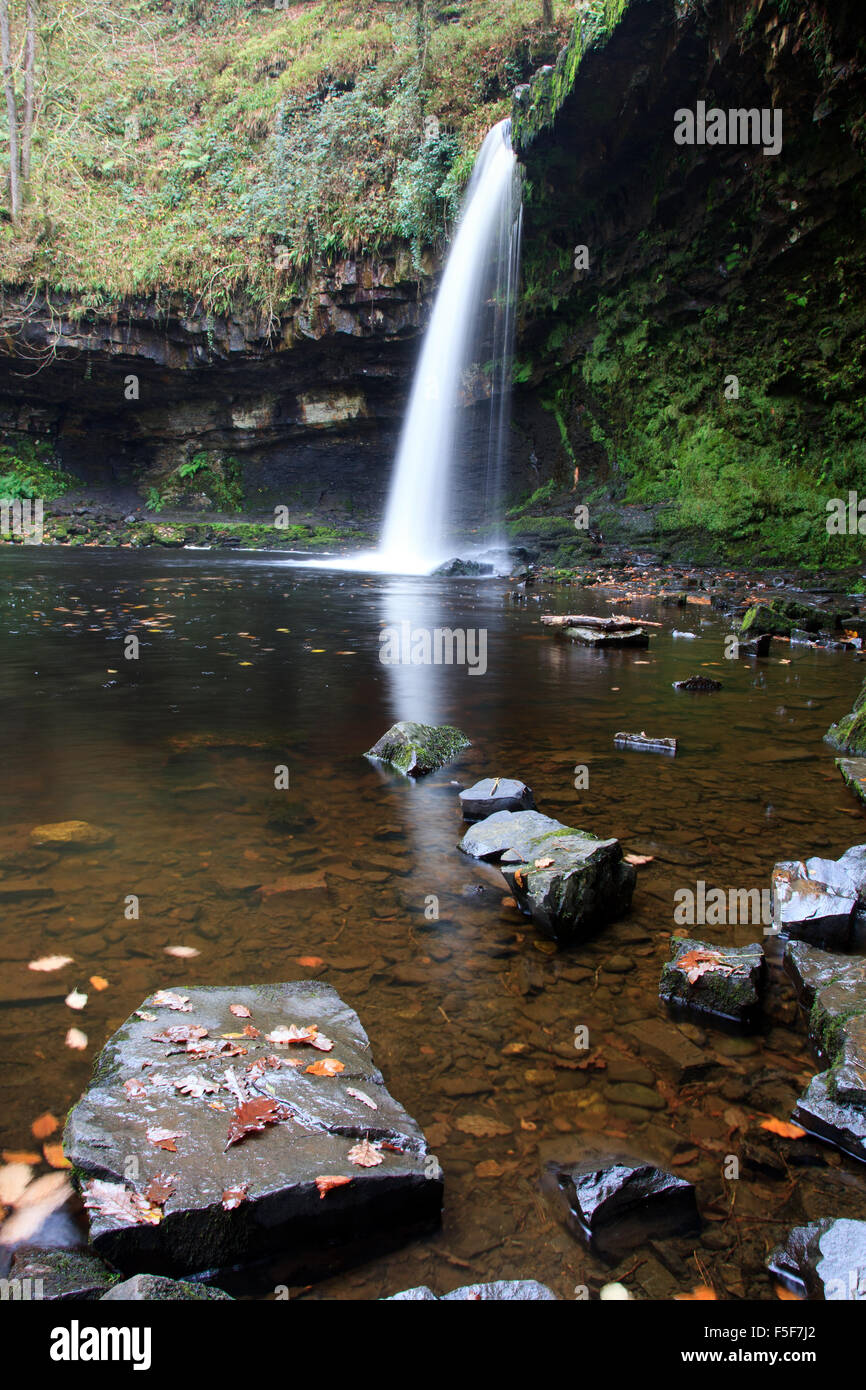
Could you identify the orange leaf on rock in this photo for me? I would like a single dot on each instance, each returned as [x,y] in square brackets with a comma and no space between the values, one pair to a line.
[163,1138]
[329,1181]
[782,1128]
[160,1189]
[239,1011]
[365,1155]
[253,1115]
[696,963]
[328,1066]
[233,1196]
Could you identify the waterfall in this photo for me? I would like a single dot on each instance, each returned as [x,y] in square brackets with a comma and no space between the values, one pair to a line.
[466,357]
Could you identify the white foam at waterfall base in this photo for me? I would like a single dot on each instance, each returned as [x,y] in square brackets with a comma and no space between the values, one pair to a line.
[473,313]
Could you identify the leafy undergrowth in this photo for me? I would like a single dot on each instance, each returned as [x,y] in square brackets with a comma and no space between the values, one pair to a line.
[218,147]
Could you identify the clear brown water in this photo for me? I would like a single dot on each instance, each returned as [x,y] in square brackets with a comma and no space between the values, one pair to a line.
[473,1014]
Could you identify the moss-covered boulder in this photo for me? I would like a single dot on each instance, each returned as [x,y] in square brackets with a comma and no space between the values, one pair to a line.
[853,772]
[780,617]
[416,749]
[849,733]
[724,981]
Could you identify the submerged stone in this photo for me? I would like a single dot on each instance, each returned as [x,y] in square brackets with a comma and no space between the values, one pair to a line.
[826,1259]
[699,684]
[502,1290]
[616,1201]
[71,834]
[665,1043]
[163,1095]
[724,981]
[494,794]
[416,749]
[156,1288]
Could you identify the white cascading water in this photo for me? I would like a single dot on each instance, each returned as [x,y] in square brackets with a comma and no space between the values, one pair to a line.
[474,305]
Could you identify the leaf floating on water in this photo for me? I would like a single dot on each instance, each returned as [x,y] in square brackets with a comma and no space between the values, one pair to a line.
[44,1125]
[54,1156]
[75,1038]
[696,963]
[786,1295]
[239,1011]
[164,1138]
[75,999]
[162,1186]
[46,963]
[252,1115]
[195,1085]
[638,859]
[362,1097]
[233,1196]
[310,962]
[99,982]
[365,1155]
[328,1066]
[782,1128]
[327,1183]
[168,999]
[116,1202]
[182,952]
[701,1293]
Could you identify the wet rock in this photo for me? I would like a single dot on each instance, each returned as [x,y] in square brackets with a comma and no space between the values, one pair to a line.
[58,1275]
[756,646]
[781,616]
[848,1077]
[849,734]
[666,1044]
[824,1260]
[417,749]
[494,794]
[632,1093]
[504,830]
[700,684]
[70,834]
[456,567]
[510,1290]
[156,1288]
[853,772]
[724,981]
[616,1201]
[822,1115]
[594,637]
[814,901]
[569,882]
[283,1212]
[833,989]
[617,965]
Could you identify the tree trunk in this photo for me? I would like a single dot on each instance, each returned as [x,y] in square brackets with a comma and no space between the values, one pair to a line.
[11,109]
[29,90]
[547,11]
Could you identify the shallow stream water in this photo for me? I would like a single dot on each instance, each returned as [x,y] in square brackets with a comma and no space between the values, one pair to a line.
[246,663]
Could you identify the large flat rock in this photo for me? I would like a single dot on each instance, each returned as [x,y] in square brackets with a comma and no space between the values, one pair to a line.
[114,1134]
[724,981]
[816,898]
[824,1260]
[504,830]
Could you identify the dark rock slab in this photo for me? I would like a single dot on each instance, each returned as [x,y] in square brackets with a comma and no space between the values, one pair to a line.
[666,1044]
[853,772]
[504,830]
[814,902]
[156,1288]
[59,1275]
[494,794]
[824,1260]
[595,637]
[417,749]
[848,1077]
[729,989]
[755,646]
[702,685]
[616,1201]
[502,1290]
[569,882]
[832,987]
[822,1115]
[284,1213]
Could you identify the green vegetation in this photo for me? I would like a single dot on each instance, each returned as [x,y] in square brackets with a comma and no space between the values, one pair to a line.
[217,148]
[27,469]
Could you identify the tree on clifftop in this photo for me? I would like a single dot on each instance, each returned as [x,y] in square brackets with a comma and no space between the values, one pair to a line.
[20,133]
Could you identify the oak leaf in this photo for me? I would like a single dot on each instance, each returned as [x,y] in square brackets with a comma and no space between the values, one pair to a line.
[169,999]
[163,1138]
[365,1155]
[328,1066]
[696,963]
[252,1115]
[233,1196]
[329,1181]
[362,1097]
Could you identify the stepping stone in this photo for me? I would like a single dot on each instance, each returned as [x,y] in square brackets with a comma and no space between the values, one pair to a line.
[822,1115]
[70,834]
[417,749]
[156,1288]
[289,1188]
[617,1201]
[593,637]
[853,772]
[568,881]
[494,794]
[723,981]
[833,988]
[504,830]
[814,900]
[824,1260]
[503,1290]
